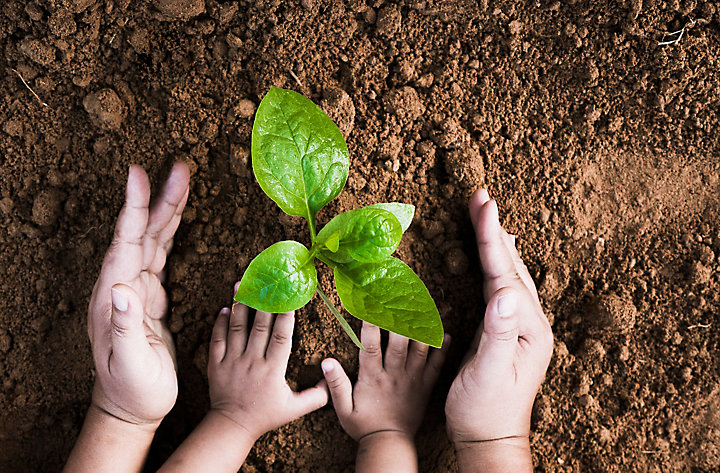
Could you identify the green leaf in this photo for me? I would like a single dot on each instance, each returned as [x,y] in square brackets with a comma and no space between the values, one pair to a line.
[299,156]
[280,279]
[333,241]
[365,235]
[403,212]
[390,295]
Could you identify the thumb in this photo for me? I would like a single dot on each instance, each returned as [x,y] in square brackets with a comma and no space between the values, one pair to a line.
[129,343]
[501,327]
[339,386]
[311,399]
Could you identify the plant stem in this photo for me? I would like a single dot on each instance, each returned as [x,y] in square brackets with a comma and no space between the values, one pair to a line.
[311,224]
[343,323]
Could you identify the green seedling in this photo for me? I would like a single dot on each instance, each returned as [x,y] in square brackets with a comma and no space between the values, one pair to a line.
[301,161]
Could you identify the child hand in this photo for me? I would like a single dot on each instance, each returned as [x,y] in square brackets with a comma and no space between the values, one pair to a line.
[246,372]
[132,348]
[491,398]
[389,399]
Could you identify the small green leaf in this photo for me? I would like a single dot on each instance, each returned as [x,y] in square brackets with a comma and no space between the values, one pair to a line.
[299,156]
[280,279]
[366,235]
[390,295]
[333,241]
[403,212]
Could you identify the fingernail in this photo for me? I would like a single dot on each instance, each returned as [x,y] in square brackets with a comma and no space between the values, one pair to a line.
[446,340]
[327,366]
[119,300]
[237,285]
[506,305]
[225,311]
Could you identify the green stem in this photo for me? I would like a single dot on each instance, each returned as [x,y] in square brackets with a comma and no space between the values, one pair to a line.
[343,323]
[311,224]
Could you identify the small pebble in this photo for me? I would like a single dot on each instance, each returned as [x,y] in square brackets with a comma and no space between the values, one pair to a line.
[245,108]
[105,108]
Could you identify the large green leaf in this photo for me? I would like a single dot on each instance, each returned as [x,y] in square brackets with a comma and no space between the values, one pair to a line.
[280,279]
[390,295]
[403,212]
[299,156]
[364,235]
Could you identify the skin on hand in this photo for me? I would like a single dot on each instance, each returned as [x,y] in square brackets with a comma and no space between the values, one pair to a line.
[132,347]
[390,395]
[491,398]
[135,384]
[246,372]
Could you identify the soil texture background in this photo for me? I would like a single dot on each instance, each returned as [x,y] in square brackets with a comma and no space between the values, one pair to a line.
[600,144]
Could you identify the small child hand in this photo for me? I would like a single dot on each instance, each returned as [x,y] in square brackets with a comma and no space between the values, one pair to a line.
[491,398]
[246,372]
[385,399]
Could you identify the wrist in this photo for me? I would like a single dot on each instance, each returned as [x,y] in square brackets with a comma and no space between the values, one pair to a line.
[387,450]
[232,426]
[504,454]
[102,403]
[99,414]
[388,435]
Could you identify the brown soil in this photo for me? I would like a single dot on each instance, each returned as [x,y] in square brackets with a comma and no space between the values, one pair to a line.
[601,146]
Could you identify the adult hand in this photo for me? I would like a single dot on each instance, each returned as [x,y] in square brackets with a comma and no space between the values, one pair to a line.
[491,398]
[132,347]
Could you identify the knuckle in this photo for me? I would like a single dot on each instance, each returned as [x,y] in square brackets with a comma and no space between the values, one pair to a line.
[280,338]
[420,351]
[372,350]
[335,382]
[118,329]
[237,328]
[261,327]
[398,351]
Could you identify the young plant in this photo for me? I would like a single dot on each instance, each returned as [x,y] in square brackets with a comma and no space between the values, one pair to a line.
[300,159]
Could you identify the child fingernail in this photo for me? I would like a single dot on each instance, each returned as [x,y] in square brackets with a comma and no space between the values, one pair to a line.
[119,300]
[506,304]
[327,366]
[225,311]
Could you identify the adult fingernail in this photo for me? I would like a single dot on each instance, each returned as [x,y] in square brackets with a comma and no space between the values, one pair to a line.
[225,311]
[237,285]
[506,304]
[119,300]
[327,366]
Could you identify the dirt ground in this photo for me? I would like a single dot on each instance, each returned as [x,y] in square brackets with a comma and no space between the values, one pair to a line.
[600,144]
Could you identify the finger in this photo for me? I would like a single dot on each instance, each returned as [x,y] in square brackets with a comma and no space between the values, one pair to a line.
[130,347]
[218,339]
[370,359]
[237,330]
[164,210]
[259,335]
[519,264]
[497,263]
[339,385]
[310,399]
[416,358]
[278,350]
[124,259]
[164,242]
[396,352]
[499,341]
[436,361]
[166,235]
